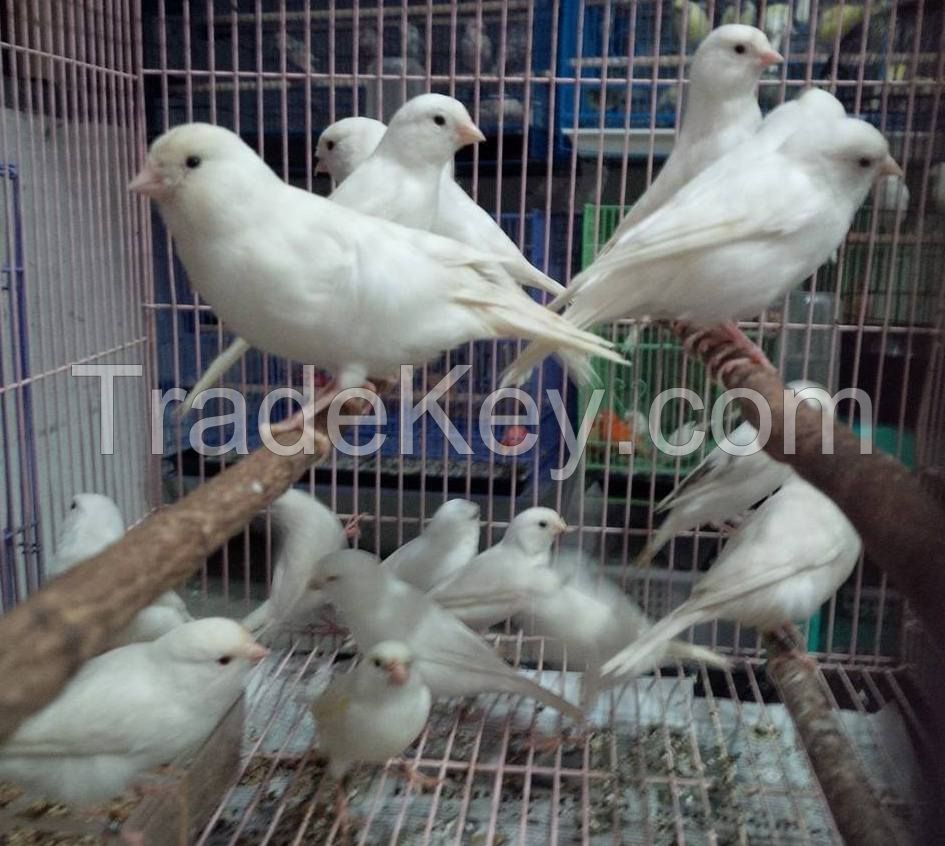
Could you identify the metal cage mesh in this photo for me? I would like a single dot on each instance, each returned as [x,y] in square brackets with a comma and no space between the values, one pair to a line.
[578,99]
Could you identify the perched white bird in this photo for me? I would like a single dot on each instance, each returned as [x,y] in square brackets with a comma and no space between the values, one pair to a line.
[497,583]
[737,237]
[309,530]
[721,112]
[346,145]
[129,710]
[787,559]
[447,543]
[586,622]
[371,713]
[452,659]
[722,487]
[298,276]
[93,523]
[400,180]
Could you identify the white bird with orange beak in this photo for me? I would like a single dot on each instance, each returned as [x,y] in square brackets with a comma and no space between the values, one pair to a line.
[372,713]
[299,276]
[400,180]
[500,582]
[130,710]
[736,238]
[721,112]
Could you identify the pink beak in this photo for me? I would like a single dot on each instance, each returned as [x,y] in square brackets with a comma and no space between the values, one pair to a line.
[563,527]
[469,133]
[255,652]
[397,673]
[770,57]
[890,168]
[320,167]
[148,182]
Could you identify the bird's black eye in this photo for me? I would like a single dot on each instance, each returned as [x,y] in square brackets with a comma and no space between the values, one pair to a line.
[74,506]
[330,145]
[377,662]
[192,162]
[439,120]
[740,49]
[543,524]
[865,162]
[224,660]
[331,579]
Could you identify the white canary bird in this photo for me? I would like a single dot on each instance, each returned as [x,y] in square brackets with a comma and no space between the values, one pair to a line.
[372,713]
[586,622]
[457,216]
[93,523]
[787,559]
[452,659]
[130,710]
[738,236]
[722,487]
[721,112]
[400,180]
[309,530]
[346,144]
[448,542]
[497,583]
[298,276]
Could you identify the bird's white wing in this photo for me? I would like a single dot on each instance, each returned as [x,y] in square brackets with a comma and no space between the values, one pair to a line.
[104,710]
[737,199]
[460,218]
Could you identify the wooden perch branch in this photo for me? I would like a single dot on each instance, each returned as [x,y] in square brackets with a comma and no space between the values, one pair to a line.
[855,807]
[903,531]
[902,526]
[48,637]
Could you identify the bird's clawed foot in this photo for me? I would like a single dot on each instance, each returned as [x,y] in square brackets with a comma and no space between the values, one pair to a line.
[416,779]
[544,744]
[787,636]
[352,527]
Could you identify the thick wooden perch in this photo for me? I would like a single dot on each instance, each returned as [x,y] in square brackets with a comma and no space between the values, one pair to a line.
[902,525]
[903,531]
[855,806]
[48,637]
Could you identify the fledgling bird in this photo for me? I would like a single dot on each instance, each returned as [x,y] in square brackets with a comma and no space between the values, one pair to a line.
[787,559]
[737,237]
[93,523]
[400,180]
[302,277]
[452,659]
[129,710]
[497,583]
[722,487]
[346,145]
[447,543]
[309,530]
[372,713]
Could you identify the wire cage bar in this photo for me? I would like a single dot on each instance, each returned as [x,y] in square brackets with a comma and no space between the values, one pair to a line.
[579,100]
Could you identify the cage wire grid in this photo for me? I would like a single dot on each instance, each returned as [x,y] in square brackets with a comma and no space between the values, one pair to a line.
[578,100]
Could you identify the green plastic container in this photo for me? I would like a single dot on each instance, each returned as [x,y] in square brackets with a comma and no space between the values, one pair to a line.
[657,363]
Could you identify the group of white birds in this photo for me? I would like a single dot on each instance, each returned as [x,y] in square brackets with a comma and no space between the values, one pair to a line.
[417,619]
[398,265]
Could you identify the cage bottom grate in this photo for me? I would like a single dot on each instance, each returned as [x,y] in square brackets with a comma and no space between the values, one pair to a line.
[686,756]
